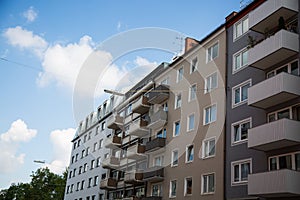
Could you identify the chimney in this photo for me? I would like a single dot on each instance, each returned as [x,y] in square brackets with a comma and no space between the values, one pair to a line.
[190,43]
[231,15]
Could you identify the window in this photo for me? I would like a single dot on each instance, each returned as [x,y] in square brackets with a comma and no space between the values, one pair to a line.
[85,138]
[178,101]
[194,65]
[70,174]
[281,114]
[98,163]
[128,110]
[80,170]
[76,157]
[240,93]
[189,153]
[211,82]
[82,185]
[240,171]
[79,142]
[174,158]
[162,133]
[287,161]
[192,92]
[72,159]
[213,52]
[158,161]
[102,126]
[90,182]
[188,186]
[179,74]
[176,129]
[208,183]
[97,130]
[74,145]
[85,167]
[78,186]
[100,143]
[92,164]
[191,122]
[82,153]
[291,68]
[239,131]
[95,146]
[209,148]
[87,151]
[240,28]
[240,60]
[165,106]
[173,186]
[156,190]
[96,178]
[210,114]
[72,187]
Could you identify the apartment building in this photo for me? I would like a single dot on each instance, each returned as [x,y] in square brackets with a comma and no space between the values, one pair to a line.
[262,117]
[168,135]
[85,169]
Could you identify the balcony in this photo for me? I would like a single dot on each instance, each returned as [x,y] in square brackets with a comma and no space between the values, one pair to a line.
[158,119]
[154,174]
[152,198]
[158,94]
[115,122]
[274,49]
[141,106]
[138,128]
[267,15]
[281,183]
[110,162]
[136,152]
[107,184]
[278,89]
[274,135]
[133,177]
[155,144]
[113,142]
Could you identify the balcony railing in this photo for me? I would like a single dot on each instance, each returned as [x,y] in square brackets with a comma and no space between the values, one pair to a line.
[113,142]
[138,128]
[158,94]
[275,135]
[281,183]
[266,15]
[109,183]
[136,152]
[115,122]
[133,177]
[141,106]
[158,119]
[278,89]
[274,49]
[110,162]
[155,144]
[154,174]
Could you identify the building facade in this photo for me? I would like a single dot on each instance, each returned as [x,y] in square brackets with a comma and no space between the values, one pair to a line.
[262,152]
[85,168]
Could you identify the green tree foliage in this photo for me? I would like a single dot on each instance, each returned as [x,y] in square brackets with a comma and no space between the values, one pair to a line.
[44,185]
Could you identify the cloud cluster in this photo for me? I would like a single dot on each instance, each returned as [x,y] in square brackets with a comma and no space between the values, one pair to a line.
[62,146]
[30,14]
[10,141]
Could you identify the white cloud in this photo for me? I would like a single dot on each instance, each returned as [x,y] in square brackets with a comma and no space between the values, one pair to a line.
[25,39]
[30,14]
[61,63]
[119,26]
[10,142]
[62,146]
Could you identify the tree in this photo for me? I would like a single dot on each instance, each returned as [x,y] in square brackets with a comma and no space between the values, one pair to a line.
[44,185]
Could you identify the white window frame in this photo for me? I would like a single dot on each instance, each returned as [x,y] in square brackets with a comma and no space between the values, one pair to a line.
[202,183]
[179,76]
[289,66]
[240,162]
[292,154]
[196,65]
[244,121]
[188,123]
[204,114]
[208,79]
[191,91]
[185,186]
[239,86]
[172,158]
[161,157]
[210,57]
[174,128]
[234,70]
[207,140]
[170,187]
[177,106]
[186,153]
[235,37]
[160,189]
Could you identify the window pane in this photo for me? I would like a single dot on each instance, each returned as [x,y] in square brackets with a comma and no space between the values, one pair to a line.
[273,164]
[211,183]
[175,157]
[205,180]
[236,130]
[212,147]
[272,118]
[237,96]
[283,69]
[191,122]
[245,58]
[245,92]
[236,173]
[207,115]
[294,68]
[213,113]
[238,61]
[285,162]
[213,81]
[173,188]
[244,130]
[238,29]
[215,50]
[297,161]
[283,114]
[189,186]
[245,170]
[177,128]
[245,25]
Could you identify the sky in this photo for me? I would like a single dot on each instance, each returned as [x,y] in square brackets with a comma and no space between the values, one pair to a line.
[44,45]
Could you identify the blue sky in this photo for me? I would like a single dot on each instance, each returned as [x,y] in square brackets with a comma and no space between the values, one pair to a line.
[42,47]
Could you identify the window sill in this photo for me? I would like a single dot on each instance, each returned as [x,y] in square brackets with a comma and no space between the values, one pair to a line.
[239,183]
[239,104]
[239,142]
[208,157]
[208,193]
